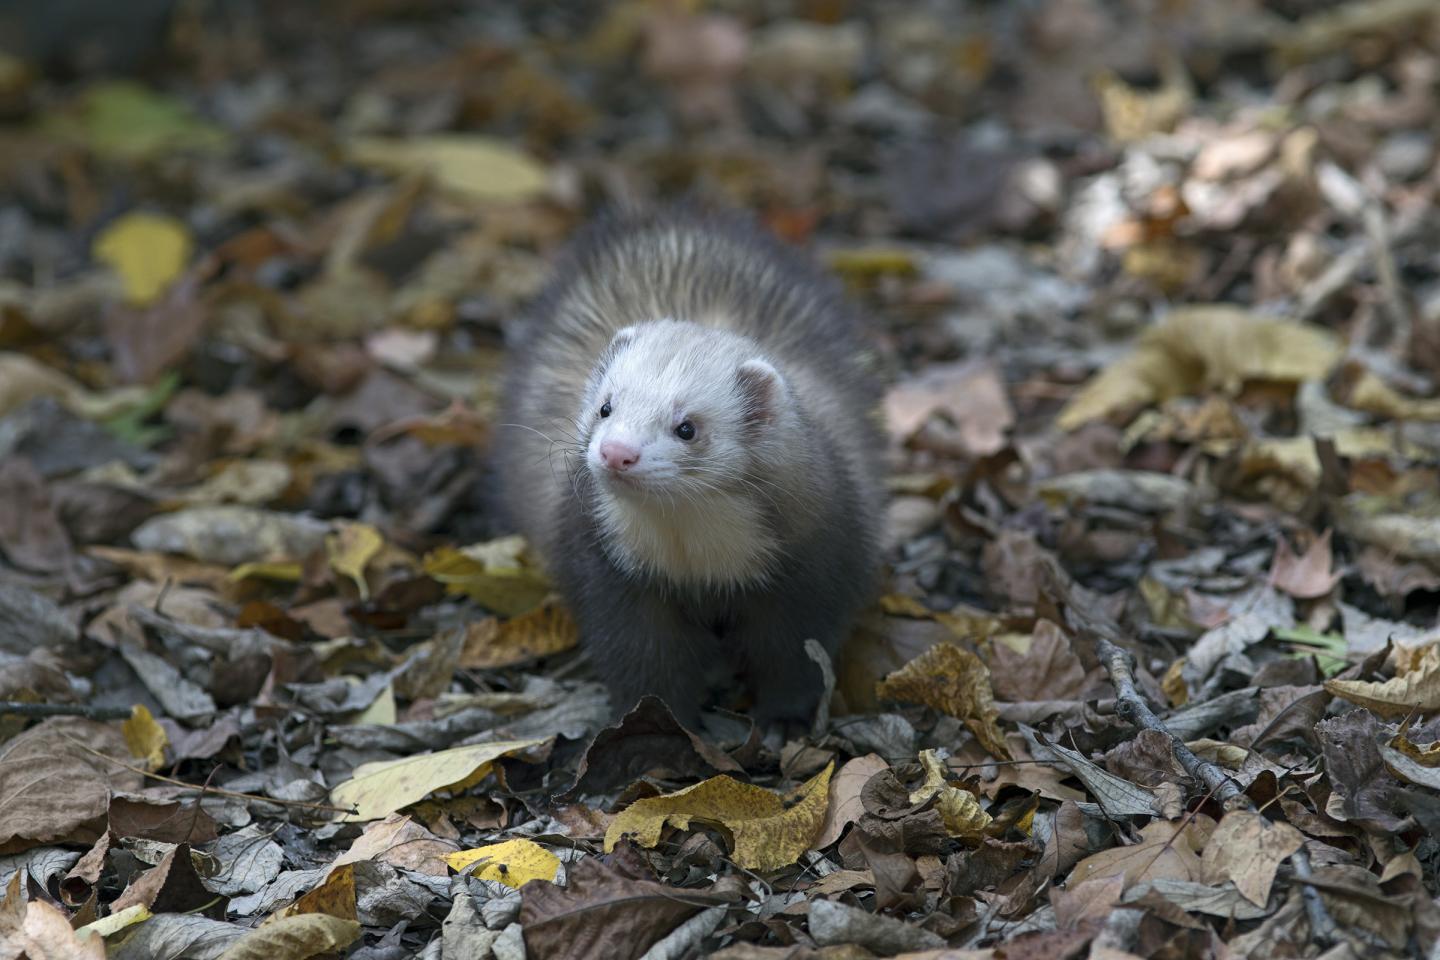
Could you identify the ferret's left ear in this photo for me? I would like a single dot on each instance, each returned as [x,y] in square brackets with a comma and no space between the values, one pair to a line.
[763,390]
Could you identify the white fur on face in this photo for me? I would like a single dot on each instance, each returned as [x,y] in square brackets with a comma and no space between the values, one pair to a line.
[691,511]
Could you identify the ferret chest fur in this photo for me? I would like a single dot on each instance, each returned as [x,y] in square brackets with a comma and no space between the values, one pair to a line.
[729,543]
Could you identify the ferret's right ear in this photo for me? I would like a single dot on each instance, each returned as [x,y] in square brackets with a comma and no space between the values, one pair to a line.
[763,390]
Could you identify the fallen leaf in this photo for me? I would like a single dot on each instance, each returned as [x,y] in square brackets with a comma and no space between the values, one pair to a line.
[1248,849]
[400,841]
[128,121]
[54,789]
[294,938]
[232,535]
[648,741]
[350,548]
[380,788]
[843,807]
[768,832]
[1309,575]
[958,808]
[474,167]
[513,862]
[955,682]
[1414,691]
[1166,849]
[334,897]
[145,738]
[1199,348]
[494,574]
[543,632]
[149,252]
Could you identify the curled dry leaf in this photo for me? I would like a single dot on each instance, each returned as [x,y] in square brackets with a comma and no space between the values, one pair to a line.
[768,831]
[1413,690]
[843,806]
[1309,575]
[295,938]
[513,862]
[543,632]
[958,808]
[955,682]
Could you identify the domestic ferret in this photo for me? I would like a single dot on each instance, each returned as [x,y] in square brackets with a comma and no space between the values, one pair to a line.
[696,457]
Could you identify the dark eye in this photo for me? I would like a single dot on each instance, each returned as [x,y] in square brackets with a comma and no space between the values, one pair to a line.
[686,431]
[605,409]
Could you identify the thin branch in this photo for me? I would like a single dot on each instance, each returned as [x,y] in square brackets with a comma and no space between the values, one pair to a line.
[19,709]
[218,791]
[1131,706]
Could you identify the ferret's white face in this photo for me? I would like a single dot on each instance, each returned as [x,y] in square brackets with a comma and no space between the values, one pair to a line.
[682,424]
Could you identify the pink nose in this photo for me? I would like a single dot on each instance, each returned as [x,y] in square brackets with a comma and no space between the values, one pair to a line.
[618,456]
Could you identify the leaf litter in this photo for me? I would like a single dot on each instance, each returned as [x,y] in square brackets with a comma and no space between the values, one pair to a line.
[1157,669]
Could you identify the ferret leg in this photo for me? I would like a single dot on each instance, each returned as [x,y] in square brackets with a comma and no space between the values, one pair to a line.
[786,683]
[639,645]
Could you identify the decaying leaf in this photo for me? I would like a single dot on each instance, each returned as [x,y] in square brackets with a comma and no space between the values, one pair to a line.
[958,807]
[543,632]
[513,862]
[382,787]
[768,831]
[295,937]
[955,682]
[1248,849]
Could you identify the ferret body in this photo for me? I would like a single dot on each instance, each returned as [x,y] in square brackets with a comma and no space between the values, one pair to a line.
[696,458]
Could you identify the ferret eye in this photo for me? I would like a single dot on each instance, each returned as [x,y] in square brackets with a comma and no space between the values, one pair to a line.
[686,431]
[605,409]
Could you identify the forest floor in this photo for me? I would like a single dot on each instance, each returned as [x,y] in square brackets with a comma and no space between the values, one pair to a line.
[1155,289]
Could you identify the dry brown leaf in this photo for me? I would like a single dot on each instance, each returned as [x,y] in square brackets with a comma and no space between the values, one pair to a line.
[294,938]
[1414,690]
[955,682]
[843,806]
[1309,575]
[1166,849]
[542,632]
[769,832]
[1248,849]
[334,897]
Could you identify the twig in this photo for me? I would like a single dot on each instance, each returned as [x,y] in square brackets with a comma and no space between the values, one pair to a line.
[1131,706]
[218,791]
[19,709]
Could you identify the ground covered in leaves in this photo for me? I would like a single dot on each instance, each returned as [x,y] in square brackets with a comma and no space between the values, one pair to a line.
[1157,669]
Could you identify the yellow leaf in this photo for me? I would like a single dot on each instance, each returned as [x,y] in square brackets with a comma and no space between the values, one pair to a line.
[958,808]
[1416,690]
[379,789]
[148,250]
[768,831]
[283,570]
[540,633]
[381,709]
[475,167]
[953,681]
[352,547]
[494,574]
[1199,349]
[115,922]
[513,863]
[128,121]
[145,738]
[292,938]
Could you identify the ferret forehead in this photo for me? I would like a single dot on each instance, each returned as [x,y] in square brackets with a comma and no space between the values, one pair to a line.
[667,355]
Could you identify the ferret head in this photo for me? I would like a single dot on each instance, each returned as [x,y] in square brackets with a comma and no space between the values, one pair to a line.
[685,427]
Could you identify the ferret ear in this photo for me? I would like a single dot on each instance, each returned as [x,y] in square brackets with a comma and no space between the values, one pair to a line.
[762,389]
[623,337]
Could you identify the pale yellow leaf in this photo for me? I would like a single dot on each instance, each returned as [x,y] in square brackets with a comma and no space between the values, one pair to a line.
[380,788]
[513,862]
[475,167]
[148,250]
[350,548]
[497,575]
[958,808]
[145,739]
[768,831]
